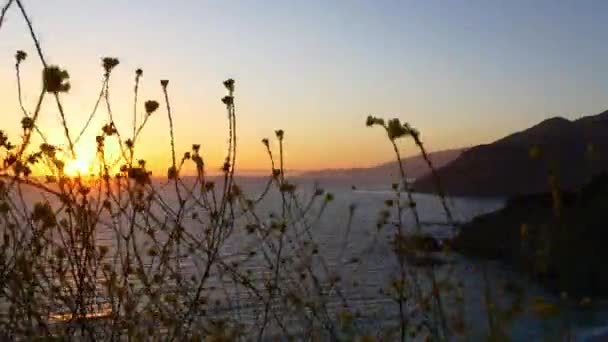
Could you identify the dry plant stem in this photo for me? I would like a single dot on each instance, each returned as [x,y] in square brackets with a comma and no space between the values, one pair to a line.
[19,93]
[436,178]
[135,95]
[4,10]
[43,60]
[414,211]
[20,99]
[43,91]
[278,257]
[140,277]
[400,256]
[93,112]
[403,175]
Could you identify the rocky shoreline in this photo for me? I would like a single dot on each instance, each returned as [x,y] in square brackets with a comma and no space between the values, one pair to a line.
[565,250]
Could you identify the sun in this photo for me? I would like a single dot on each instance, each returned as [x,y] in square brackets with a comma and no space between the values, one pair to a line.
[77,167]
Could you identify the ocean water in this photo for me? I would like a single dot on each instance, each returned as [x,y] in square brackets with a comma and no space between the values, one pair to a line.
[586,323]
[339,241]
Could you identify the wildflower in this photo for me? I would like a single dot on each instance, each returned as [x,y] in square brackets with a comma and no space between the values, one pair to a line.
[226,166]
[164,83]
[229,84]
[129,143]
[286,187]
[187,155]
[138,174]
[139,72]
[545,309]
[395,129]
[372,120]
[56,80]
[536,153]
[592,151]
[59,164]
[33,158]
[20,56]
[43,213]
[103,250]
[279,134]
[60,253]
[109,129]
[151,106]
[27,123]
[109,63]
[152,252]
[346,319]
[196,148]
[48,149]
[21,168]
[3,138]
[228,100]
[251,227]
[265,142]
[524,231]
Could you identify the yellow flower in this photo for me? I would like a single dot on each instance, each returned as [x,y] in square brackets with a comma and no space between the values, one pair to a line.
[524,231]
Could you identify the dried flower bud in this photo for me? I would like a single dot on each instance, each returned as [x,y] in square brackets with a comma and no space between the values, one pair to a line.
[151,106]
[56,80]
[229,84]
[20,56]
[109,63]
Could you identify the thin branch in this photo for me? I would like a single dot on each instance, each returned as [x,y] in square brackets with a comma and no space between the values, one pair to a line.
[4,10]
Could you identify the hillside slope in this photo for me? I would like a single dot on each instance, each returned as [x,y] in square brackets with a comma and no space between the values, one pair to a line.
[504,167]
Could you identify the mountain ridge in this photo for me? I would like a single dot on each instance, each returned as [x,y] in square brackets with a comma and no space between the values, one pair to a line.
[415,167]
[576,149]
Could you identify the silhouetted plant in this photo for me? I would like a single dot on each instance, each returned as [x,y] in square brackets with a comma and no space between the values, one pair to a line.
[167,267]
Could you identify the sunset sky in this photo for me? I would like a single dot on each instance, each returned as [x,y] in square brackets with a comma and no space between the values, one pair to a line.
[463,72]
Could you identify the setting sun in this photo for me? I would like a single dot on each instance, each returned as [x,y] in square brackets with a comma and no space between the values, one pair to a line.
[77,167]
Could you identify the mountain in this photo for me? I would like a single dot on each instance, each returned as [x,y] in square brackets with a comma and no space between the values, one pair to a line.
[388,172]
[578,150]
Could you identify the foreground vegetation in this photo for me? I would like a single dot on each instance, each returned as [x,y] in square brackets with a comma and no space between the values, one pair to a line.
[562,249]
[169,269]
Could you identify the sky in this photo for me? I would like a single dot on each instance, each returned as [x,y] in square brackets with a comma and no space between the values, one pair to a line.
[462,72]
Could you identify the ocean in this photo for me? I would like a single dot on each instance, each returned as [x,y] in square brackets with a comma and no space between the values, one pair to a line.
[343,230]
